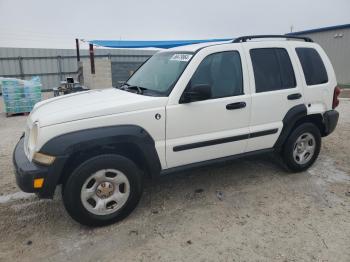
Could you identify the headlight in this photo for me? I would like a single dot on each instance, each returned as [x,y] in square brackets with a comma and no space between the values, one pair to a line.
[40,158]
[43,158]
[33,136]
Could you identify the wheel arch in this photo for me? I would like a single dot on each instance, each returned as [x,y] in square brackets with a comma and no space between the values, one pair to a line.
[316,119]
[296,116]
[130,141]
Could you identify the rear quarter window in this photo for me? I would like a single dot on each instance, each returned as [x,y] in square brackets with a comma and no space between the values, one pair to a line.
[313,67]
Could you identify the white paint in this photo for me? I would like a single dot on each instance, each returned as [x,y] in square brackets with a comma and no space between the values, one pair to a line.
[192,122]
[99,108]
[269,108]
[206,120]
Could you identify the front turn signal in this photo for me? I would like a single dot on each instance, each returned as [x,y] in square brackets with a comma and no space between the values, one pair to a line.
[43,159]
[38,183]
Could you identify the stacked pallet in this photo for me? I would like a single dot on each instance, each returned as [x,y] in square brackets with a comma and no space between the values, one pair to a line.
[20,96]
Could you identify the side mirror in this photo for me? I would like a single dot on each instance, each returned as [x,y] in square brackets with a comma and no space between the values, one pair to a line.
[196,93]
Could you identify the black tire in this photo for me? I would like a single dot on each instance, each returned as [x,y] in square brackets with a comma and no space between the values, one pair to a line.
[72,189]
[289,145]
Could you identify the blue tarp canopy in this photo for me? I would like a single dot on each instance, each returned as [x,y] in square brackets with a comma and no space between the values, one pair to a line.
[146,44]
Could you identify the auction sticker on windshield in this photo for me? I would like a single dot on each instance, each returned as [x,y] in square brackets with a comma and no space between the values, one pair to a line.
[181,57]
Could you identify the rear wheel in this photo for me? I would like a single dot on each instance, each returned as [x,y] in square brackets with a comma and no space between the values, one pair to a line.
[302,147]
[103,190]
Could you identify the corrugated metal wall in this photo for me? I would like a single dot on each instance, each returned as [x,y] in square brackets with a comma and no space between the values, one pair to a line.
[338,50]
[121,71]
[54,65]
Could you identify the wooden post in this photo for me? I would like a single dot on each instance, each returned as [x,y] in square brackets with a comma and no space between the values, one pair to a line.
[77,47]
[92,58]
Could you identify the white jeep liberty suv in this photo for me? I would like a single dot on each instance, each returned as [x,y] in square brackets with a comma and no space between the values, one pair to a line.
[184,107]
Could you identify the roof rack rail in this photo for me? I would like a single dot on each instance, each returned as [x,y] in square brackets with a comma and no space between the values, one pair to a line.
[249,37]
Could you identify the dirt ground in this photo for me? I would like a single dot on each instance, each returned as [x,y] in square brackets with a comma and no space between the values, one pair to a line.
[247,210]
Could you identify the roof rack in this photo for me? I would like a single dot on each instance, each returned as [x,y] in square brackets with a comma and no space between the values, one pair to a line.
[250,37]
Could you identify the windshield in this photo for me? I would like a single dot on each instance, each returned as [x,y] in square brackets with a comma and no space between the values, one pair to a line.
[160,73]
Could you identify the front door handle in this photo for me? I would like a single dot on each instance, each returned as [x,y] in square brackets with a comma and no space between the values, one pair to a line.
[294,96]
[237,105]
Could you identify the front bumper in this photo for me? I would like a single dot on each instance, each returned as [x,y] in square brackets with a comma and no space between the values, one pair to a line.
[26,172]
[330,119]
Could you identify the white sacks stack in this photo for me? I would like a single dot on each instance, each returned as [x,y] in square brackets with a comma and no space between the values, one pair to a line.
[20,96]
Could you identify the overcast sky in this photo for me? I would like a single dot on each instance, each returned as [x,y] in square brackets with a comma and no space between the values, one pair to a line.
[55,24]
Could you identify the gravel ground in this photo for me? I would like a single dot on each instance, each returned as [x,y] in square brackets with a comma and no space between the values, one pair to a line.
[247,210]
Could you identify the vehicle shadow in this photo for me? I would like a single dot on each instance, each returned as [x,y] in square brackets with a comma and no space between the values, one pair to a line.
[176,190]
[210,182]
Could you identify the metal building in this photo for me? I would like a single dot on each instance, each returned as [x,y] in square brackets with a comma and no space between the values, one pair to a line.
[54,65]
[335,40]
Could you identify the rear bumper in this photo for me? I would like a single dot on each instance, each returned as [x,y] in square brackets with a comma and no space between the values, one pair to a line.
[26,172]
[330,119]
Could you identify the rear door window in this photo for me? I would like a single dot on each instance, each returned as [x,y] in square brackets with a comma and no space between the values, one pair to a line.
[273,69]
[313,67]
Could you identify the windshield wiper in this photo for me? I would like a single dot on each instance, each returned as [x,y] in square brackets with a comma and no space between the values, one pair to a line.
[138,89]
[123,86]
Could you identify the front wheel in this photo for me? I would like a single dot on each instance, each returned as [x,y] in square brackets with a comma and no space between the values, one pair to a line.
[103,190]
[302,147]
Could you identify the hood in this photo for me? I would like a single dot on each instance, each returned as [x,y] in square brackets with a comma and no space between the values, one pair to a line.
[90,104]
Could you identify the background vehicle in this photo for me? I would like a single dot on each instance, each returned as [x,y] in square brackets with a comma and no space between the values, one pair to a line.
[185,107]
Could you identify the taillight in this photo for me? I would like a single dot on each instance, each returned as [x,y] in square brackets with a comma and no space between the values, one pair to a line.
[335,97]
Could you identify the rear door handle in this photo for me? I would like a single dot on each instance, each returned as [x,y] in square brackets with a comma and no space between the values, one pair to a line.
[294,96]
[237,105]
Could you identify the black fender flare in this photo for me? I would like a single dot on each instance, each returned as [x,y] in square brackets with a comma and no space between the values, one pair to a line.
[109,136]
[292,116]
